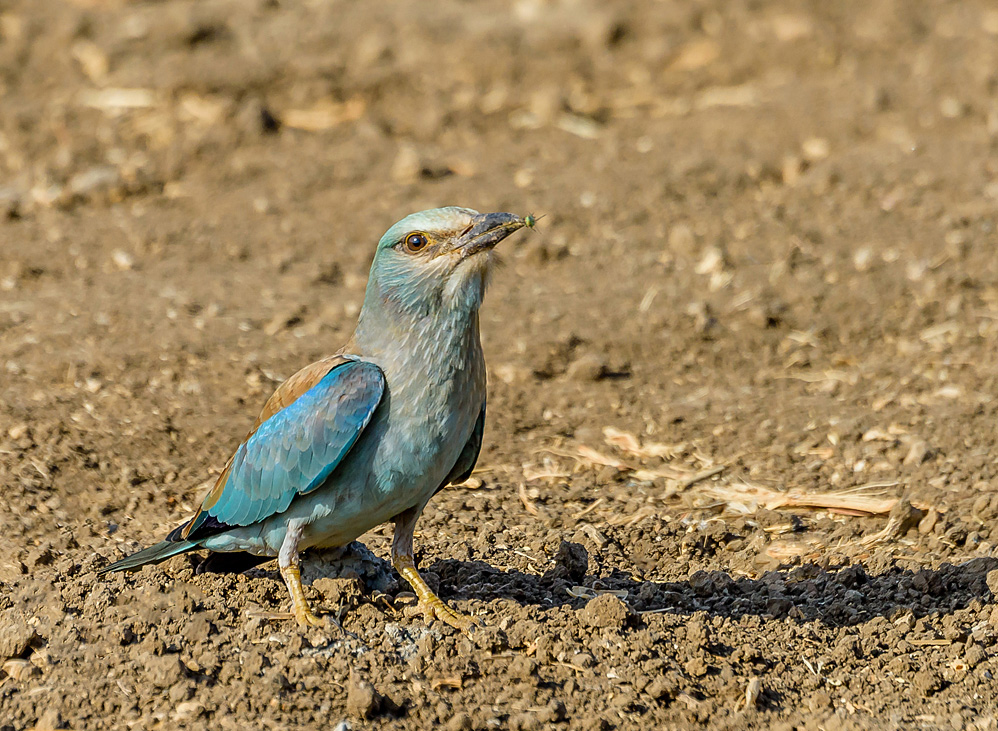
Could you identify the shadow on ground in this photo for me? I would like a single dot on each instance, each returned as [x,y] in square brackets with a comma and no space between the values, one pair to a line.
[837,598]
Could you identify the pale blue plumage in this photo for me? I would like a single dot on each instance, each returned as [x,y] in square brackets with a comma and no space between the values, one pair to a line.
[295,451]
[369,436]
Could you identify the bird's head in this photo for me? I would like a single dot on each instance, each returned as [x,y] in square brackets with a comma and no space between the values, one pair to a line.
[438,260]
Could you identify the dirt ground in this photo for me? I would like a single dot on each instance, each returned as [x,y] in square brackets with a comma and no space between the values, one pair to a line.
[766,277]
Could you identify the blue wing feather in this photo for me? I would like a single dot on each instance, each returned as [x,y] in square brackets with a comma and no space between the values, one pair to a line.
[295,451]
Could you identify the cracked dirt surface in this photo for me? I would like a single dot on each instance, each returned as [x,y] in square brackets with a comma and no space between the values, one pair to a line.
[766,268]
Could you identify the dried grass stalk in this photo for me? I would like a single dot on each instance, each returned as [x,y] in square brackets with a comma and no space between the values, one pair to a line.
[746,498]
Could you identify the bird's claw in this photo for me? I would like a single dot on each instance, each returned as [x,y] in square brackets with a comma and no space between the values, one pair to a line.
[305,618]
[436,609]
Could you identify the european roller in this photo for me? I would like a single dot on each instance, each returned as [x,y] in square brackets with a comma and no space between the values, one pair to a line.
[370,434]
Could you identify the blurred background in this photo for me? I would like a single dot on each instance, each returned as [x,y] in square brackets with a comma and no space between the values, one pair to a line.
[767,245]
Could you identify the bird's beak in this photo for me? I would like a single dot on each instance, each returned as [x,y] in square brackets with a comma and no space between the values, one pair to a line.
[487,230]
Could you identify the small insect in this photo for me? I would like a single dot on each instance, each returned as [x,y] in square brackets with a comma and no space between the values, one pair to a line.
[530,220]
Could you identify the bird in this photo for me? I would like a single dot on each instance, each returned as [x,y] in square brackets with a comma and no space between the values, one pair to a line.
[370,434]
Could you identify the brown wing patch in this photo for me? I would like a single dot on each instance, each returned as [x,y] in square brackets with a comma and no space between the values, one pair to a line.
[285,395]
[213,495]
[289,391]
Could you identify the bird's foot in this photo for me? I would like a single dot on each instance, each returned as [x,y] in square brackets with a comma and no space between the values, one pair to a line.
[432,605]
[303,615]
[299,604]
[435,608]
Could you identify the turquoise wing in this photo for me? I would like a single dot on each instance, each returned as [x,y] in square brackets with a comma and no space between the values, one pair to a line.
[294,451]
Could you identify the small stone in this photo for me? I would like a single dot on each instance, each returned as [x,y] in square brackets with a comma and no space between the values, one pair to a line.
[992,580]
[187,709]
[661,688]
[917,453]
[571,563]
[589,367]
[15,634]
[583,660]
[99,180]
[553,712]
[123,260]
[862,259]
[589,532]
[363,700]
[19,669]
[791,169]
[928,681]
[695,667]
[605,611]
[608,475]
[49,720]
[165,670]
[926,524]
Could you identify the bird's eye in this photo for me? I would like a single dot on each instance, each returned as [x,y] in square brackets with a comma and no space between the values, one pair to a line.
[416,242]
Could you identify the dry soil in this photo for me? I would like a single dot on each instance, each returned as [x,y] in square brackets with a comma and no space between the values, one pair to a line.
[766,276]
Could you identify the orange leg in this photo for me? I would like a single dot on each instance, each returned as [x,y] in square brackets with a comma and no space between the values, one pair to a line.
[402,560]
[287,559]
[299,604]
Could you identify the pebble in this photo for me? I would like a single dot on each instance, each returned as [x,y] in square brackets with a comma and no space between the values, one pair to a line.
[917,453]
[926,524]
[50,719]
[19,669]
[588,531]
[15,634]
[363,700]
[605,611]
[661,687]
[164,671]
[992,580]
[571,562]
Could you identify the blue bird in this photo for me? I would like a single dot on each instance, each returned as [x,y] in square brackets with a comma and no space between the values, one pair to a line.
[370,434]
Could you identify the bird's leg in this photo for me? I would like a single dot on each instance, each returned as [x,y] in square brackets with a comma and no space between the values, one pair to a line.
[402,560]
[287,559]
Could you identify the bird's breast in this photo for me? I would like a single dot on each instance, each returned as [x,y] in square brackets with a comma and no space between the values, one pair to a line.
[429,418]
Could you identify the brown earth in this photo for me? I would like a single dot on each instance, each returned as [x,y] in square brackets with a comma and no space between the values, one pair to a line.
[768,258]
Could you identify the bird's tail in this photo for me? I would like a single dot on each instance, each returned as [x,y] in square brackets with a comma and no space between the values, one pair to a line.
[153,554]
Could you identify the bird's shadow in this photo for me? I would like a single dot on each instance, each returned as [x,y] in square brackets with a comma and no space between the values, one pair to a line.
[834,596]
[840,597]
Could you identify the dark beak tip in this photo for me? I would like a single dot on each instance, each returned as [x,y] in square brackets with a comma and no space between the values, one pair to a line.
[486,221]
[488,229]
